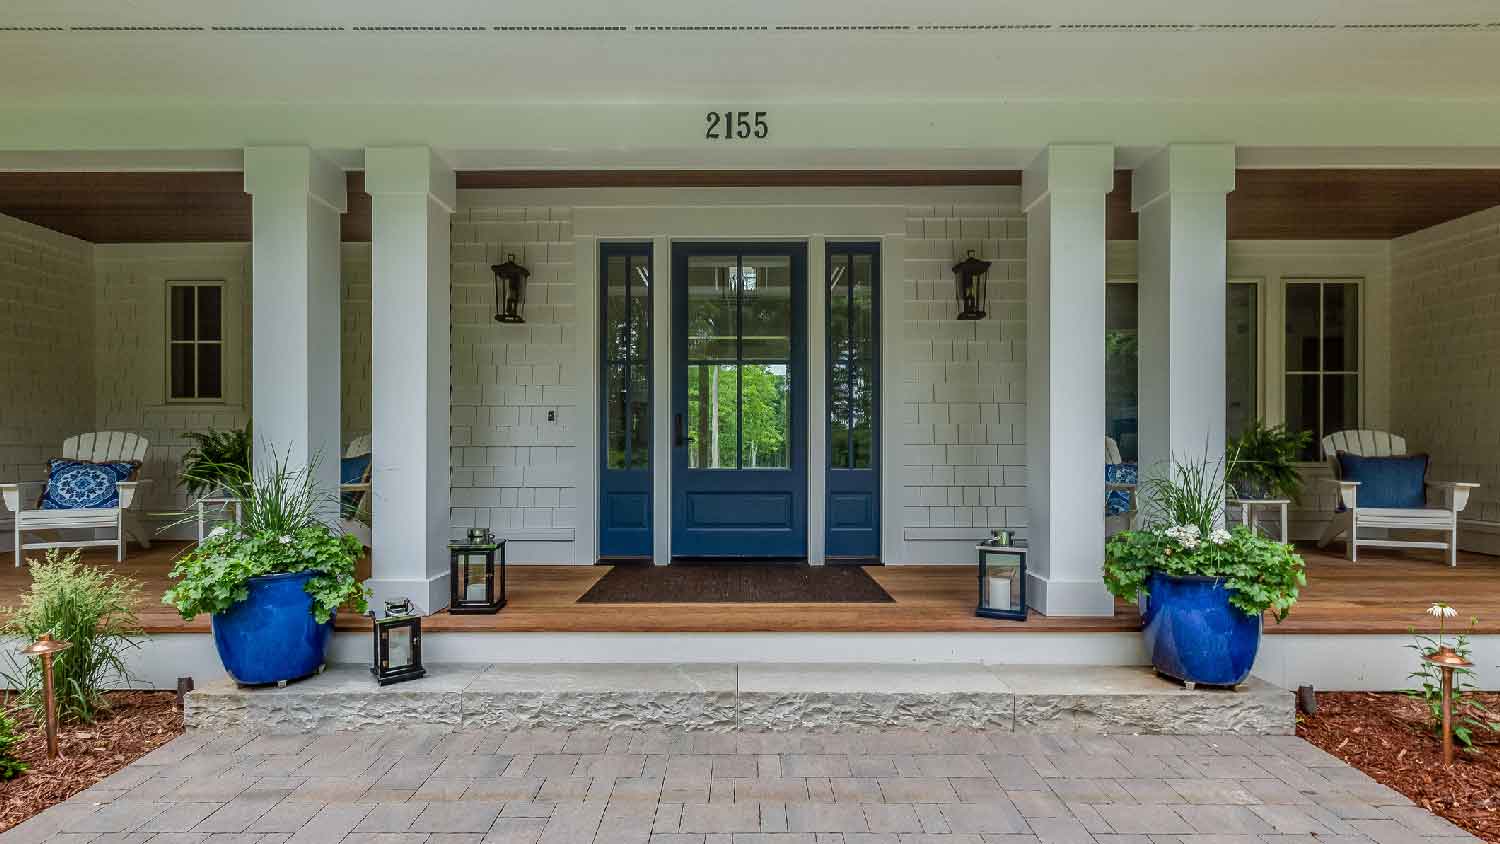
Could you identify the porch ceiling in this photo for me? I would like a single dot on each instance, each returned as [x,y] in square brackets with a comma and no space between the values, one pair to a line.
[211,206]
[583,51]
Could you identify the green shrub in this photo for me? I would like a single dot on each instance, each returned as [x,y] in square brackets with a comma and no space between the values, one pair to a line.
[281,531]
[10,736]
[1263,461]
[90,607]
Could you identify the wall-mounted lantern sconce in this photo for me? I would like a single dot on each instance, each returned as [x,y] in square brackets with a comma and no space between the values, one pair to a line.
[510,291]
[970,286]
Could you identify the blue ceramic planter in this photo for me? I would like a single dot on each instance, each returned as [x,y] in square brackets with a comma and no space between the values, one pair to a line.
[1195,634]
[271,636]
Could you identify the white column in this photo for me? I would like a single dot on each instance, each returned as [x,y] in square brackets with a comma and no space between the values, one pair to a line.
[296,200]
[1063,194]
[412,195]
[1180,197]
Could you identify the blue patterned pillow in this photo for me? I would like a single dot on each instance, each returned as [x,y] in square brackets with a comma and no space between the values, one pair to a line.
[79,484]
[1117,501]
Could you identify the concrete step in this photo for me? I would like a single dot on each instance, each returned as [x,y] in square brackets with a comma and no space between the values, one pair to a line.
[751,696]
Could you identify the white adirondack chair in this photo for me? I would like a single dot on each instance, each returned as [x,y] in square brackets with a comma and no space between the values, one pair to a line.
[1355,519]
[104,446]
[1120,521]
[357,524]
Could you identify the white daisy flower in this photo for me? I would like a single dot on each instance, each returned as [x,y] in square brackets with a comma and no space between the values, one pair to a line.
[1442,610]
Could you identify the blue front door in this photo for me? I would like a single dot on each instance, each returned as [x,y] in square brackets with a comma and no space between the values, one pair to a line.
[739,411]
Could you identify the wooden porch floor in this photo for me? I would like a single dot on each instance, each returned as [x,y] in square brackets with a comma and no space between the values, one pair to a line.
[1383,593]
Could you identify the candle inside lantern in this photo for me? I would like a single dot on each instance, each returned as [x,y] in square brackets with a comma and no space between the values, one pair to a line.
[998,593]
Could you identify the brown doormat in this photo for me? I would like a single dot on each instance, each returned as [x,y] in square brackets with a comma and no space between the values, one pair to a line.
[736,583]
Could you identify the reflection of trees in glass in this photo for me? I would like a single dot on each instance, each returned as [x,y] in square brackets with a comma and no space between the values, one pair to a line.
[851,394]
[711,406]
[627,333]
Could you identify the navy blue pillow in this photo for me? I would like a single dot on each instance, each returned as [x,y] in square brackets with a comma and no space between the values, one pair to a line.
[352,469]
[1386,481]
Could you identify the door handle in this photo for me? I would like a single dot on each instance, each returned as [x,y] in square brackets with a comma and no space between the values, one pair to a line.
[677,437]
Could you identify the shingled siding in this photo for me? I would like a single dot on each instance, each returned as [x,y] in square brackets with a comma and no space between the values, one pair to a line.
[964,400]
[1446,357]
[514,469]
[46,346]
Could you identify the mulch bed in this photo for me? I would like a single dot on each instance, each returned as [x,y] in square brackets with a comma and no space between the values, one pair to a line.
[137,723]
[1385,736]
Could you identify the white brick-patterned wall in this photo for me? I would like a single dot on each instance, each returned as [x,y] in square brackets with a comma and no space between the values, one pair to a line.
[1446,352]
[46,347]
[514,469]
[130,353]
[964,402]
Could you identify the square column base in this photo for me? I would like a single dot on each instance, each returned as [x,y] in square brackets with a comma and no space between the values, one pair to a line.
[1069,598]
[428,594]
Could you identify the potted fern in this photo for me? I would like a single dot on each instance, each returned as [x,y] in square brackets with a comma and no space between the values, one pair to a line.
[271,583]
[216,460]
[1263,461]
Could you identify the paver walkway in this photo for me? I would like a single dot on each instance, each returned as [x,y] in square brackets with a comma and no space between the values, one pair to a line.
[411,787]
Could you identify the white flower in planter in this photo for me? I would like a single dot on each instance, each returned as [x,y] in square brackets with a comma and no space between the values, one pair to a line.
[1220,536]
[1442,610]
[218,531]
[1186,535]
[286,539]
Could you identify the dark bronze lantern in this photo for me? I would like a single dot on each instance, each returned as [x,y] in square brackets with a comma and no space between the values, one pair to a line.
[477,574]
[510,290]
[398,644]
[1002,578]
[970,286]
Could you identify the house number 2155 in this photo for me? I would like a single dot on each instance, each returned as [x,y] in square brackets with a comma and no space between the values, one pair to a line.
[736,125]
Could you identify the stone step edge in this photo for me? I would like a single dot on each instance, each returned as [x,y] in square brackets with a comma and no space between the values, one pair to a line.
[1260,710]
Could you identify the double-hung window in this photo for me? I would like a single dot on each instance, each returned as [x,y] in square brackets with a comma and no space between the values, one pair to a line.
[195,341]
[1322,358]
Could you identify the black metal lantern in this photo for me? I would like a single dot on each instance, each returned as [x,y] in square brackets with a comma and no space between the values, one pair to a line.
[969,286]
[510,290]
[1002,578]
[398,644]
[477,574]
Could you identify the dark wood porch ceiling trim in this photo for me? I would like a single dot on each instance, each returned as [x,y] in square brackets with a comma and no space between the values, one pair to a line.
[197,207]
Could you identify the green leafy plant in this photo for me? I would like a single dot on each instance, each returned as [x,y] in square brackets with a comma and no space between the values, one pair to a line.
[90,607]
[1470,715]
[1263,461]
[281,531]
[216,460]
[10,736]
[1184,536]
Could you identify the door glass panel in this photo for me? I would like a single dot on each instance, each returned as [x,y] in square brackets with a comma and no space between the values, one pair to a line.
[1240,377]
[766,416]
[712,329]
[713,417]
[638,338]
[1302,313]
[617,399]
[1340,328]
[863,303]
[862,432]
[616,325]
[839,375]
[765,287]
[639,410]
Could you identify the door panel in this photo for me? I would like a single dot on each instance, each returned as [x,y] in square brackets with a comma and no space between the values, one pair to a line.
[853,511]
[739,401]
[625,399]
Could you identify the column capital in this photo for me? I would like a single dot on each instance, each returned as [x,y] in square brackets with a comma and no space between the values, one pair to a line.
[295,171]
[1068,168]
[1183,168]
[410,171]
